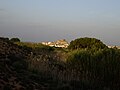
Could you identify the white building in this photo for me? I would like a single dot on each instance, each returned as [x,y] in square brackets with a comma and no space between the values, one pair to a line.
[59,43]
[118,47]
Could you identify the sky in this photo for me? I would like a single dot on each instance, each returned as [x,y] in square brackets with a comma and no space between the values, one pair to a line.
[50,20]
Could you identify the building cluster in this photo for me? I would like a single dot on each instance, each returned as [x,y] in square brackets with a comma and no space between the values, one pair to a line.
[59,43]
[118,47]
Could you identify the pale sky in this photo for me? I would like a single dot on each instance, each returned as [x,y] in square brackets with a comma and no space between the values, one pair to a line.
[50,20]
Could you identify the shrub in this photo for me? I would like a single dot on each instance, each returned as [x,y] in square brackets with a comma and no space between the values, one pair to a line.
[100,67]
[19,65]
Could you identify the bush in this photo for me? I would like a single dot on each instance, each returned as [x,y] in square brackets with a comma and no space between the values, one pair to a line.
[100,67]
[19,65]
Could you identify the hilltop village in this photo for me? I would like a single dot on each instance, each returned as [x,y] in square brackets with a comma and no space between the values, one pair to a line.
[59,43]
[118,47]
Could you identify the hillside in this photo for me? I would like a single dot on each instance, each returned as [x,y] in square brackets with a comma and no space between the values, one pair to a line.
[12,57]
[15,68]
[82,66]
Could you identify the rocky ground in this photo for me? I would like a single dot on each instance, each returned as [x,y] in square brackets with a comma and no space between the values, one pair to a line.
[10,78]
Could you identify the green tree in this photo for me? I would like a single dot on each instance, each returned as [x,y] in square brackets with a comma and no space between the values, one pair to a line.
[86,43]
[15,39]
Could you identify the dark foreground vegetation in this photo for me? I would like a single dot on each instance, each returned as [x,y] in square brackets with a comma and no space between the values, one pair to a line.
[87,64]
